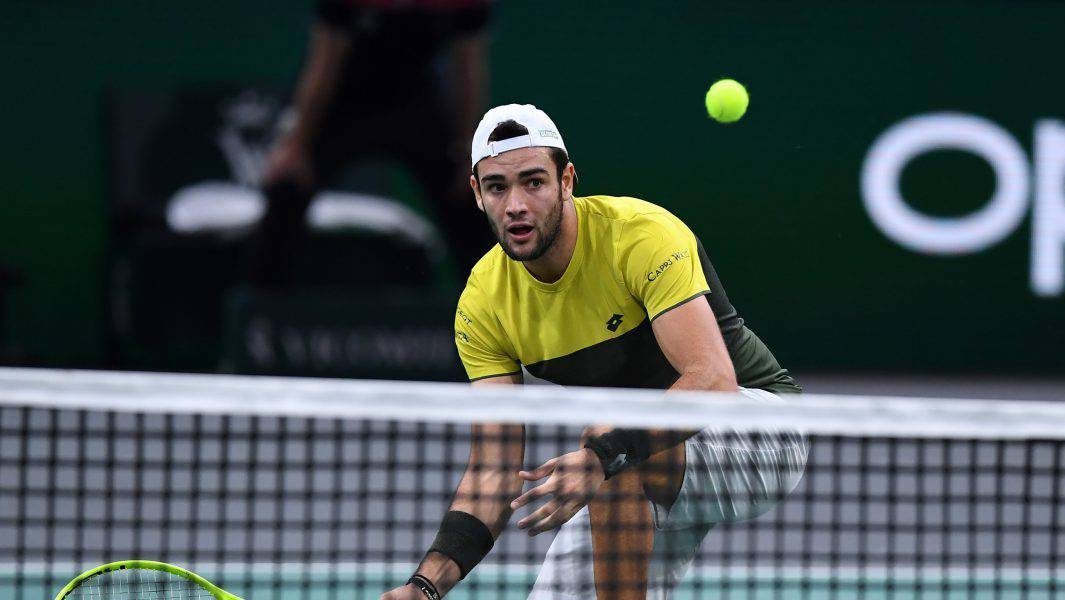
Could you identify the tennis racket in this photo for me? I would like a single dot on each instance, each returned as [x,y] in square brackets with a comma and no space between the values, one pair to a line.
[141,580]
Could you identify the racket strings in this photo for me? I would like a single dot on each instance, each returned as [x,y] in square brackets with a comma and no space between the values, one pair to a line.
[139,584]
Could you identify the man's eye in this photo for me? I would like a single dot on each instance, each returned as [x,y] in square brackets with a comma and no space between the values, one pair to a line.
[535,183]
[495,188]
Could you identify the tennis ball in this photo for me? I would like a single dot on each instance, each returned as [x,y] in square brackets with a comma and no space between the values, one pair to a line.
[726,101]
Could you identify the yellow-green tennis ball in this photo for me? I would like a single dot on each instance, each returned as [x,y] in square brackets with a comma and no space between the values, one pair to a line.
[726,101]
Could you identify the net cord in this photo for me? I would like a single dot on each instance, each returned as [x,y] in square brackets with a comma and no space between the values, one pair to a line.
[819,414]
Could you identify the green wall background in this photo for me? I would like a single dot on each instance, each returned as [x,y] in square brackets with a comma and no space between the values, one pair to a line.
[775,197]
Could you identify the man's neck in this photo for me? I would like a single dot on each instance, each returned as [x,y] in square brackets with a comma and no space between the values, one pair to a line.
[550,267]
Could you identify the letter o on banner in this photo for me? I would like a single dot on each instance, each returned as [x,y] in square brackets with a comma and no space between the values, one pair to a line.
[917,231]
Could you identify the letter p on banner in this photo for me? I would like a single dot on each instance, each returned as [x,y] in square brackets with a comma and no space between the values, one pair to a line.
[1048,212]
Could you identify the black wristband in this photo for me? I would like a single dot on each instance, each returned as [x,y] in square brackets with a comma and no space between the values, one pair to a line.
[464,539]
[426,586]
[620,449]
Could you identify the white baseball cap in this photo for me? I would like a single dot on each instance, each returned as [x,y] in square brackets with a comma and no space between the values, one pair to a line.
[542,131]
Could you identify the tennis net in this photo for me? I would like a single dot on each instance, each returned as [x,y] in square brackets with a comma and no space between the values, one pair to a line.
[289,489]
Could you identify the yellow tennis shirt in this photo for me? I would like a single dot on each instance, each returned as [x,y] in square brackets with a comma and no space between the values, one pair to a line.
[633,261]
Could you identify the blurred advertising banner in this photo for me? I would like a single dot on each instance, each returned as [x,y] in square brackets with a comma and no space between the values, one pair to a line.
[1021,189]
[373,333]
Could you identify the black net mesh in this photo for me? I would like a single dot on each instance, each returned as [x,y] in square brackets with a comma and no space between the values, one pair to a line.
[287,507]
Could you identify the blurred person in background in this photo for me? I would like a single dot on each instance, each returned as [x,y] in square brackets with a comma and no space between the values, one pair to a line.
[404,79]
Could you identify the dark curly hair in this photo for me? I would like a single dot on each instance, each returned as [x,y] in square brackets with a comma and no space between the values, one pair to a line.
[512,129]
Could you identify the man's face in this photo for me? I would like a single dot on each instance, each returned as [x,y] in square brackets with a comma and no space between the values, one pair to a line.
[522,197]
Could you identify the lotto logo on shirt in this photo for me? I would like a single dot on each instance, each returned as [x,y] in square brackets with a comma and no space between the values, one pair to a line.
[669,262]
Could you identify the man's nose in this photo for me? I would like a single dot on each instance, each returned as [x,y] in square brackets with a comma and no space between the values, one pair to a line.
[516,204]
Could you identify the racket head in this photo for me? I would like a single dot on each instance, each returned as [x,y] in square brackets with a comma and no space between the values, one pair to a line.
[141,580]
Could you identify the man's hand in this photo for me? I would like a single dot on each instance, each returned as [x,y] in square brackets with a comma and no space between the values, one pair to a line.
[406,592]
[574,480]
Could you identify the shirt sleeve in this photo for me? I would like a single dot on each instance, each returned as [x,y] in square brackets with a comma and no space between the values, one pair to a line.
[478,339]
[659,262]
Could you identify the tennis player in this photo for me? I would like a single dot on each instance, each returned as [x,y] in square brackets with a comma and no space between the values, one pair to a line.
[599,291]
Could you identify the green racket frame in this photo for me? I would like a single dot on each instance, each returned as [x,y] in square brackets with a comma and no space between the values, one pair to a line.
[213,589]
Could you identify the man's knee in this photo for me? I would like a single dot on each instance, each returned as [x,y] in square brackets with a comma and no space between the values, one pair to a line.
[663,474]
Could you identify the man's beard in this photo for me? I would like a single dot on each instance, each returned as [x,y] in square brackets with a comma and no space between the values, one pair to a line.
[546,234]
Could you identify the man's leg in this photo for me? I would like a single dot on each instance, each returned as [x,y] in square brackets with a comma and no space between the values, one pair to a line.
[622,527]
[663,474]
[727,476]
[622,538]
[611,541]
[712,477]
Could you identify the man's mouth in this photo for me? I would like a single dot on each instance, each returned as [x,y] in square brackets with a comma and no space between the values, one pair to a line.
[520,232]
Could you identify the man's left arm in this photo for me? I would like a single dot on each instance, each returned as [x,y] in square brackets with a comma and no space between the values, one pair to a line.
[691,340]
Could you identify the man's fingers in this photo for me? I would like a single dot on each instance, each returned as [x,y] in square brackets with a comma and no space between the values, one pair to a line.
[539,472]
[569,484]
[537,492]
[541,513]
[564,513]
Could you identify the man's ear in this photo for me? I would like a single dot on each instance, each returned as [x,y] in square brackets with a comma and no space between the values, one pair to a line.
[476,192]
[569,180]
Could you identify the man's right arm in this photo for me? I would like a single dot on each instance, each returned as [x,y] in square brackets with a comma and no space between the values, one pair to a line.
[487,486]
